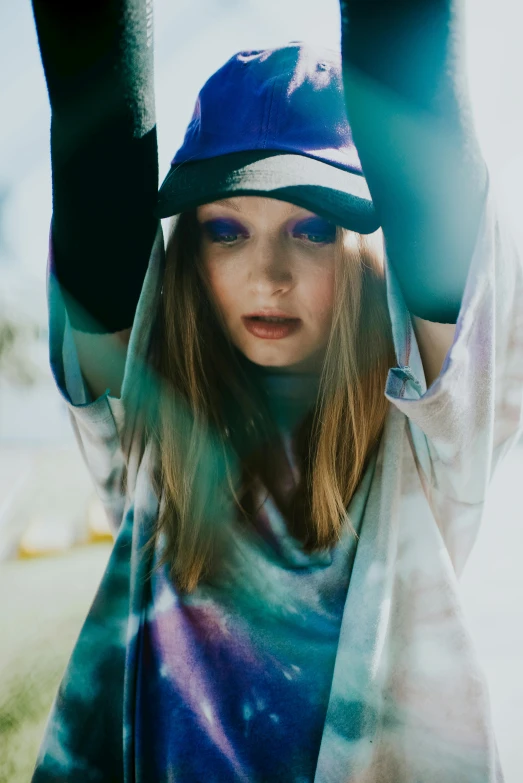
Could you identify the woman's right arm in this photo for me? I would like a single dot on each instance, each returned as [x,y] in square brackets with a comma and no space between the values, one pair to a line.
[98,62]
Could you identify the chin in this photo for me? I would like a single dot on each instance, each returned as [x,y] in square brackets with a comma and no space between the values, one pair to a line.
[272,359]
[295,363]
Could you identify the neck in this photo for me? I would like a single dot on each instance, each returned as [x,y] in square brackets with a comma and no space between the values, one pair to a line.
[290,395]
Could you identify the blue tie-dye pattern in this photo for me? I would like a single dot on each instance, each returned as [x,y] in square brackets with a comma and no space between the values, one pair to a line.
[235,666]
[355,667]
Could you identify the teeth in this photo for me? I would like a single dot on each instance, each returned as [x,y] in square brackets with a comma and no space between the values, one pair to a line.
[270,319]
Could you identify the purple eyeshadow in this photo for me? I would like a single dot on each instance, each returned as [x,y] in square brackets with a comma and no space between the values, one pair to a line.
[317,226]
[217,228]
[220,227]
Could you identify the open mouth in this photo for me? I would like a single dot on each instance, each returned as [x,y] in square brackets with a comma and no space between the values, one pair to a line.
[271,327]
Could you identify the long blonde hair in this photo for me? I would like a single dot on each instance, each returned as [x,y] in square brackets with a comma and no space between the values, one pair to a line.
[213,429]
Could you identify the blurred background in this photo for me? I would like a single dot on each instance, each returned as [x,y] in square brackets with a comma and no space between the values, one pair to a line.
[54,541]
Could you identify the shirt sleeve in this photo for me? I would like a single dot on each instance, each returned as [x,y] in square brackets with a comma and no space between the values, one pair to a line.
[106,429]
[472,414]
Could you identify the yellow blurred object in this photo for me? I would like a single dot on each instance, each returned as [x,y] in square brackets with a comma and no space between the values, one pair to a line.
[97,525]
[47,534]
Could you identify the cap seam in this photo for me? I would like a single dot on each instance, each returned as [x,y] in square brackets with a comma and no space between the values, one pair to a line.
[268,114]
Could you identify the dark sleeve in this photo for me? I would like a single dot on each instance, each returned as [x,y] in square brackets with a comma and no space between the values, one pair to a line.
[98,62]
[407,100]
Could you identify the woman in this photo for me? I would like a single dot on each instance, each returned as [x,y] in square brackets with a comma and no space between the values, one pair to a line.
[292,431]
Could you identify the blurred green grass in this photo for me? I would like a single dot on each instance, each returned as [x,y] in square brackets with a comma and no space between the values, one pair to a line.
[44,603]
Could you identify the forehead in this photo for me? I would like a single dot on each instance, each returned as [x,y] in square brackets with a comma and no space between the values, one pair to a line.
[253,206]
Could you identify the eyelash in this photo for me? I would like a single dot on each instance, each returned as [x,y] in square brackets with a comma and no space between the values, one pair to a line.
[222,238]
[327,238]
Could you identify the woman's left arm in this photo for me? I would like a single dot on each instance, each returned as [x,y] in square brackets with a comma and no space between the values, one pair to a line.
[406,90]
[447,244]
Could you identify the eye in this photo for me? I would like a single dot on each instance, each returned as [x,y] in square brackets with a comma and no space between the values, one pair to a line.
[224,232]
[316,231]
[226,239]
[317,239]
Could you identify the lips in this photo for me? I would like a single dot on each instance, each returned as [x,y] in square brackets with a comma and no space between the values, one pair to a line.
[271,326]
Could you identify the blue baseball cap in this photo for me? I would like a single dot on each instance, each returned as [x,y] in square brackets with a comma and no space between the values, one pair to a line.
[273,122]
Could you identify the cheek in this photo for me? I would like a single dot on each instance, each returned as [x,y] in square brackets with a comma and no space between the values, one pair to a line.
[319,292]
[221,285]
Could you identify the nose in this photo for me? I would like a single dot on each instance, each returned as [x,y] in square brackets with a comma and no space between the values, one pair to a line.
[270,269]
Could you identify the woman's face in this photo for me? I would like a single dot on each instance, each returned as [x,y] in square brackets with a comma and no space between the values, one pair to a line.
[270,268]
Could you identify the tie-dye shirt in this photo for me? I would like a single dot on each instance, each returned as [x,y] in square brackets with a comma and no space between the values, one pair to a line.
[353,665]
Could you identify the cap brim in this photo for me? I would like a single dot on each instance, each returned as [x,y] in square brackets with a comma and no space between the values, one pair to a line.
[336,194]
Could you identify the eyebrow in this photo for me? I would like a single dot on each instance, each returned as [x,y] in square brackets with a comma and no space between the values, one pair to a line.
[226,202]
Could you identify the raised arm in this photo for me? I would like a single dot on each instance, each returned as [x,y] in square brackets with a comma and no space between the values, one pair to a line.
[407,99]
[98,62]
